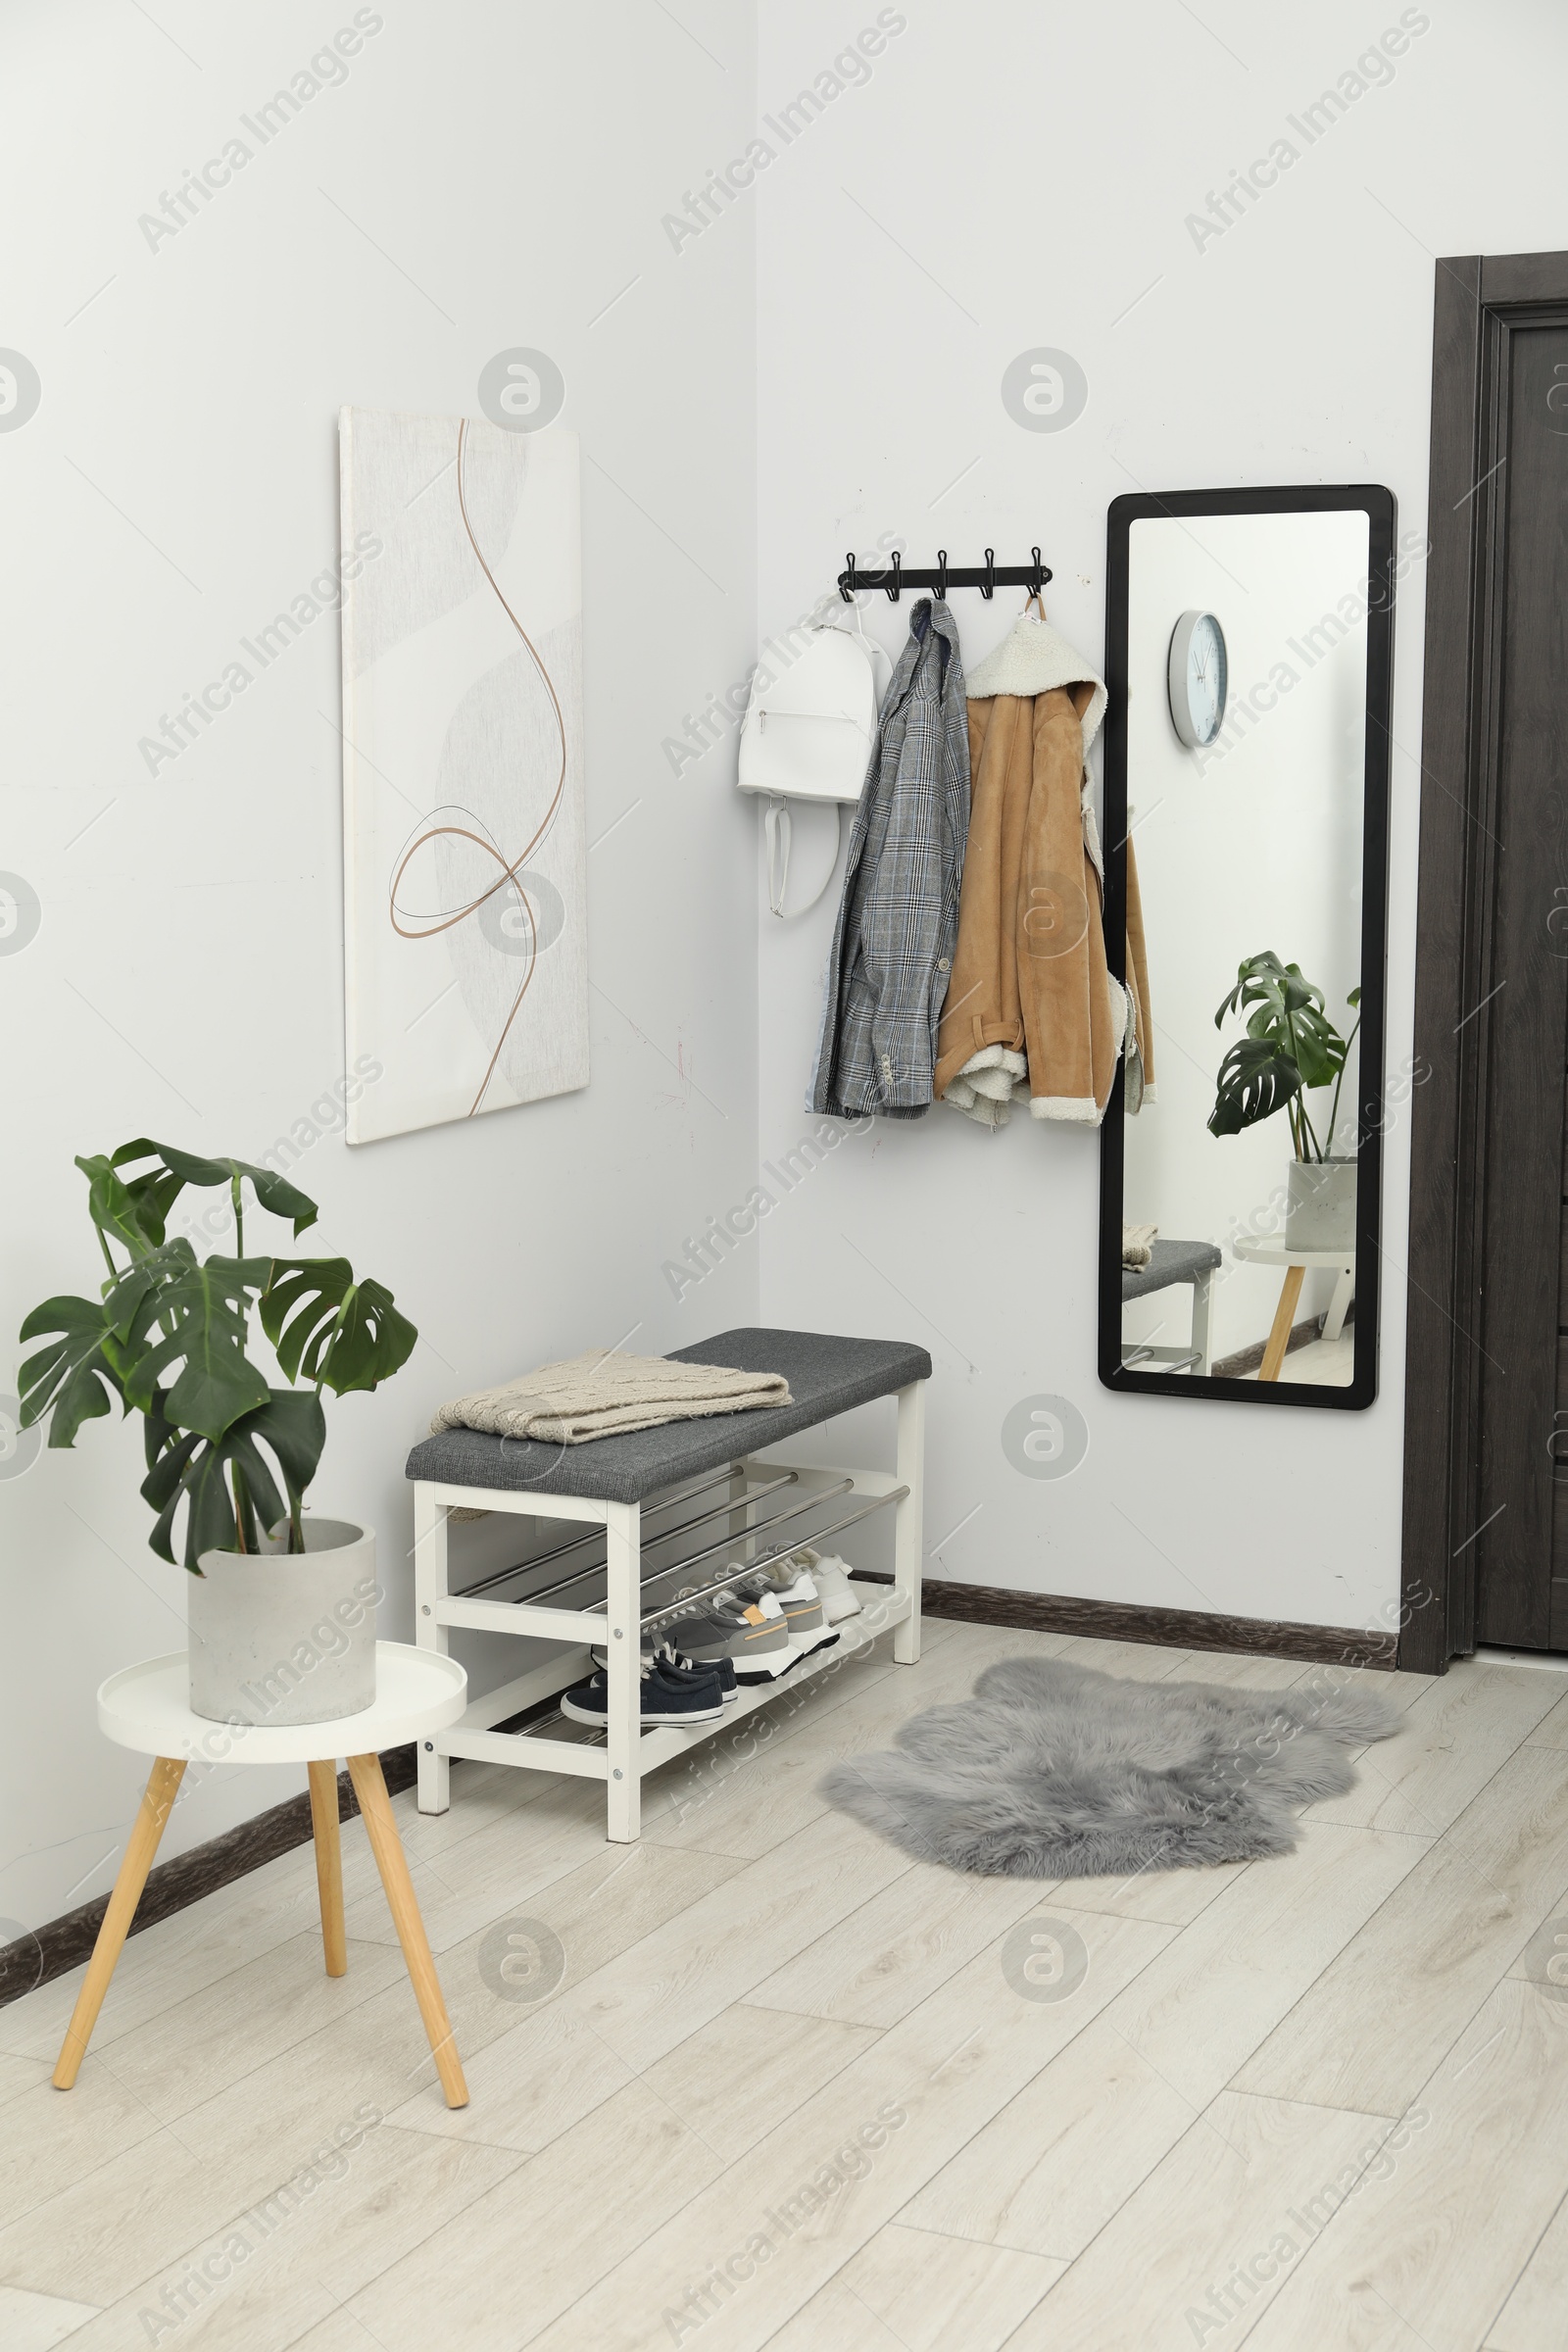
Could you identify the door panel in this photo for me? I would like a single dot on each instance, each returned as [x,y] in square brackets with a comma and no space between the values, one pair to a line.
[1524,1363]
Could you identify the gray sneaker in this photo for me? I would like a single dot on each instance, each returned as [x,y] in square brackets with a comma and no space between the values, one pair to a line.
[805,1616]
[754,1636]
[790,1584]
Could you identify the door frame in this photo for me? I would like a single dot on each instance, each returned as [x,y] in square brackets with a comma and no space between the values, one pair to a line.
[1480,299]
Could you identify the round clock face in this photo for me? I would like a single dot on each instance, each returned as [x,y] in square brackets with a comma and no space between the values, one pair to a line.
[1196,678]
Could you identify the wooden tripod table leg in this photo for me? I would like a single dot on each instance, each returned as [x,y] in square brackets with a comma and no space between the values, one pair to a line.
[387,1847]
[329,1865]
[1279,1338]
[156,1800]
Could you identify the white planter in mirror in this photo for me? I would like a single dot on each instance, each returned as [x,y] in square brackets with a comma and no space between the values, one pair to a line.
[280,1638]
[1320,1204]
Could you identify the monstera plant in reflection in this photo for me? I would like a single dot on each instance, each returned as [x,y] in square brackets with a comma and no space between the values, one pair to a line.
[1291,1049]
[281,1604]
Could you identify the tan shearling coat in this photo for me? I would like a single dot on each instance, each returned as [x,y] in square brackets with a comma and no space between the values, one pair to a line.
[1032,1011]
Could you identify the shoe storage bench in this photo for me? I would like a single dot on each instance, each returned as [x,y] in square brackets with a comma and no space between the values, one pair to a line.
[679,1507]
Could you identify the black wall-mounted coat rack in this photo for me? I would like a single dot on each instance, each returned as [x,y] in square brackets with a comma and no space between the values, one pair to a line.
[987,577]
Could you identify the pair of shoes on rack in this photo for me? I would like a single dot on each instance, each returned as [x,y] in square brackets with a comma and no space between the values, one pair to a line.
[769,1622]
[674,1689]
[661,1649]
[826,1572]
[751,1635]
[763,1628]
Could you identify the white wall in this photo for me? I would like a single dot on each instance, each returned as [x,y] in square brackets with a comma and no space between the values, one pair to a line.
[1016,179]
[486,175]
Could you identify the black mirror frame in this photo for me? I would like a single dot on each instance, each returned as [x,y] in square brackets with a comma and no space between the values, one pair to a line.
[1378,505]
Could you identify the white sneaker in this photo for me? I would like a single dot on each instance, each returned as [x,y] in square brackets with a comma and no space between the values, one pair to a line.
[777,1576]
[838,1596]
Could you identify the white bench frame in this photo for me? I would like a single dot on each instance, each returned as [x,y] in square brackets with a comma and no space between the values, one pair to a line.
[1138,1353]
[628,1752]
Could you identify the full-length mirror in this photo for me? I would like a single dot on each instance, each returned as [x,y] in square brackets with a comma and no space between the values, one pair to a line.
[1248,652]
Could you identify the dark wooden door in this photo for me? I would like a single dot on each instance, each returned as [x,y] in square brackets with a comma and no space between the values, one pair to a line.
[1522,1502]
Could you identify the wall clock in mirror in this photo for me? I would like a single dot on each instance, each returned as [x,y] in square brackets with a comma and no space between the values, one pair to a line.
[1197,677]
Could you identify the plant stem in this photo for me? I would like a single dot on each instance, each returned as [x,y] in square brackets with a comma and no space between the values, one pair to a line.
[237,1195]
[240,1544]
[1306,1132]
[1333,1115]
[103,1244]
[1297,1113]
[1317,1152]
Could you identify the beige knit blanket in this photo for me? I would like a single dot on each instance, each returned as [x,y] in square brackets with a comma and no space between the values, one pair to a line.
[603,1392]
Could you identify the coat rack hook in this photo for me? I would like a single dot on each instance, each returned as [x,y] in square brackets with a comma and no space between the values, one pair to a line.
[943,576]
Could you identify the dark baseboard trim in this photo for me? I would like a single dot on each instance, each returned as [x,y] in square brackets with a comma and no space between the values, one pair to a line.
[1171,1629]
[1248,1359]
[61,1943]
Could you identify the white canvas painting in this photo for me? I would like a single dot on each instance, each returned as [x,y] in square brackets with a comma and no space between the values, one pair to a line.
[464,882]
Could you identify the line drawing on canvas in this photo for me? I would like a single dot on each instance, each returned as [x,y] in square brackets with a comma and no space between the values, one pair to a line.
[464,849]
[512,873]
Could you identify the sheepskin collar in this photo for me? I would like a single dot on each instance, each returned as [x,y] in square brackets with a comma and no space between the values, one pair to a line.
[1032,659]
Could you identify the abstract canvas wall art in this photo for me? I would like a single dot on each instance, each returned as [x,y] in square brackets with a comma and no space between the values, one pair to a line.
[463,861]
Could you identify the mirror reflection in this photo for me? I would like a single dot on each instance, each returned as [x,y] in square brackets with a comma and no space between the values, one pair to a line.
[1245,732]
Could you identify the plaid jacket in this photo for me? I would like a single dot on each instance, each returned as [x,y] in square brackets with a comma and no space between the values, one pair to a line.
[887,974]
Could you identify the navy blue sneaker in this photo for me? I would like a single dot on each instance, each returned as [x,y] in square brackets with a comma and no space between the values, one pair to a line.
[669,1696]
[662,1649]
[729,1689]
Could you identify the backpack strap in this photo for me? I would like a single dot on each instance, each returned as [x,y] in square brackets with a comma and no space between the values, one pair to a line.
[778,829]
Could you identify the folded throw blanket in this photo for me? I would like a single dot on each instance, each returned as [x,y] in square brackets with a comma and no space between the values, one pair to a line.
[603,1392]
[1137,1245]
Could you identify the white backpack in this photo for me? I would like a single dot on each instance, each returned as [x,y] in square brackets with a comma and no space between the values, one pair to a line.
[808,735]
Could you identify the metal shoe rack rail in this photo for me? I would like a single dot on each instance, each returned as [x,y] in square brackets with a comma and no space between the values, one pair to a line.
[639,1592]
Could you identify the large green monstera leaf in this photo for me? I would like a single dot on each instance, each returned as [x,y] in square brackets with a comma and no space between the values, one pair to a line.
[170,1337]
[329,1328]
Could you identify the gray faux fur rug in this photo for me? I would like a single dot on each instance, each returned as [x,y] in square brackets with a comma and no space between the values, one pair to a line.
[1055,1771]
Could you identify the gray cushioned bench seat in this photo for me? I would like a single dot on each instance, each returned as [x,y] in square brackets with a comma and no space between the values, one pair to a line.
[828,1376]
[1169,1261]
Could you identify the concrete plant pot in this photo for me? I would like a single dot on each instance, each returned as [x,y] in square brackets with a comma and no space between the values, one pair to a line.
[1320,1204]
[280,1638]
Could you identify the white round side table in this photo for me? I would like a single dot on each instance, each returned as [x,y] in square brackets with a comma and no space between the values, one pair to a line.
[1255,1250]
[147,1708]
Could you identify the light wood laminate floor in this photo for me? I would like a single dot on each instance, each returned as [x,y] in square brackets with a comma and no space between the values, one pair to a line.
[759,2080]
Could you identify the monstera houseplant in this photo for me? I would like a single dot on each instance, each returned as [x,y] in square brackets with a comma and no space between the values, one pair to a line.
[1291,1049]
[282,1606]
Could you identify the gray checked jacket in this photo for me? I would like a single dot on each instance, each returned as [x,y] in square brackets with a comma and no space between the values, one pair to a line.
[887,974]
